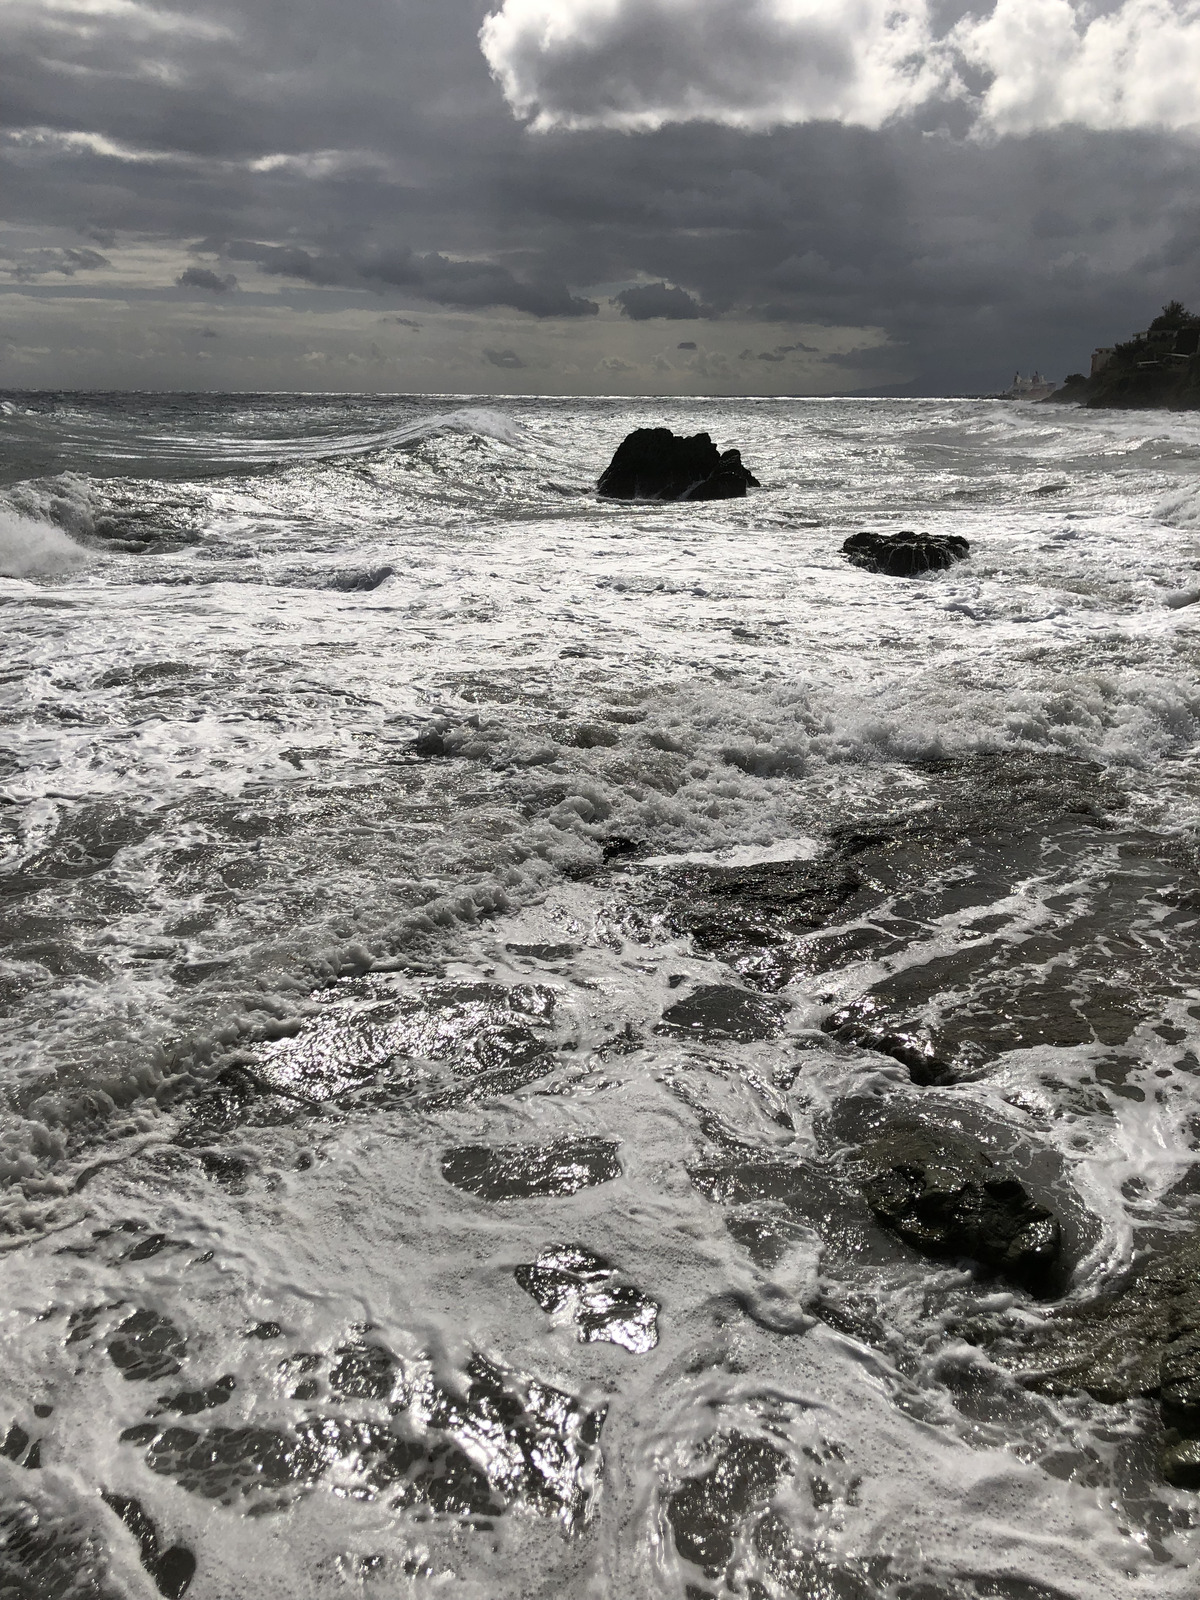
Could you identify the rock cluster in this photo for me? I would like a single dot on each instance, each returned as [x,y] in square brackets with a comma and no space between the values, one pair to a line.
[656,464]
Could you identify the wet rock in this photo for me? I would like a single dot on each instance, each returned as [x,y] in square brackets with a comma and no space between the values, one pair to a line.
[541,1444]
[1142,1337]
[656,464]
[531,1171]
[753,918]
[807,1573]
[225,1463]
[16,1442]
[146,1346]
[469,1450]
[191,1401]
[947,1198]
[719,1011]
[363,1372]
[172,1569]
[543,952]
[912,1050]
[904,555]
[371,1043]
[706,1512]
[47,1553]
[574,1285]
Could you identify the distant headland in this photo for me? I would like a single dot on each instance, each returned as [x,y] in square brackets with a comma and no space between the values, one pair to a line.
[1157,368]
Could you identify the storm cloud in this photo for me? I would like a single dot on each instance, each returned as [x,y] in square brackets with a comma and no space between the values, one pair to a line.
[894,197]
[647,300]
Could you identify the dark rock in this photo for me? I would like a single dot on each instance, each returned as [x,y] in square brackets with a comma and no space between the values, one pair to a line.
[147,1346]
[190,1401]
[706,1512]
[48,1555]
[1142,1337]
[810,1573]
[16,1441]
[172,1569]
[719,1011]
[570,1280]
[531,1171]
[655,464]
[904,555]
[363,1372]
[469,1450]
[914,1051]
[947,1198]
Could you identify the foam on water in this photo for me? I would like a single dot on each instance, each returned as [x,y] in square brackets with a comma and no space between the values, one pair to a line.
[347,793]
[33,549]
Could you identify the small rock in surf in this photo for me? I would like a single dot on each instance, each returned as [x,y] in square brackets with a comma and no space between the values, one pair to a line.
[655,464]
[904,555]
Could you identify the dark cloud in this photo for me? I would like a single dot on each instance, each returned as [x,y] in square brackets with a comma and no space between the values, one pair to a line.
[202,278]
[780,352]
[504,358]
[28,265]
[686,344]
[657,300]
[432,277]
[366,147]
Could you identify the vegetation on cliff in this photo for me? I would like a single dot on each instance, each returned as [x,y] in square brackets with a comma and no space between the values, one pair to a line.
[1160,367]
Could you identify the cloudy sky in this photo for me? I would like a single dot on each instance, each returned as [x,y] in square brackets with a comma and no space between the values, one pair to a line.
[595,196]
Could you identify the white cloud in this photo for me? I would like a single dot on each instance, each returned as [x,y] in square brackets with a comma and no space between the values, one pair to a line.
[639,64]
[1056,62]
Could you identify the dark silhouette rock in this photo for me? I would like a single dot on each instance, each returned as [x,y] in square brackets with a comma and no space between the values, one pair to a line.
[947,1198]
[655,464]
[904,555]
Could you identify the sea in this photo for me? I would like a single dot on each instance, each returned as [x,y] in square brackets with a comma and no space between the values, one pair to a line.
[459,935]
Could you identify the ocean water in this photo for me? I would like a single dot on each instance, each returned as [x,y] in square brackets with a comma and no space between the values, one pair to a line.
[421,1173]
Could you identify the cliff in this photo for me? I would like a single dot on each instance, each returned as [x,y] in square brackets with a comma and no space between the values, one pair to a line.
[1157,368]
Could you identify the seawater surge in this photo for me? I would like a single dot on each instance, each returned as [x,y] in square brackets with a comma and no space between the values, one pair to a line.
[567,1048]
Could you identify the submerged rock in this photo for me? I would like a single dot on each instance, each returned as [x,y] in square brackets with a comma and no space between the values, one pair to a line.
[904,555]
[720,1011]
[471,1448]
[573,1284]
[706,1512]
[1141,1338]
[531,1171]
[655,464]
[945,1197]
[146,1346]
[172,1569]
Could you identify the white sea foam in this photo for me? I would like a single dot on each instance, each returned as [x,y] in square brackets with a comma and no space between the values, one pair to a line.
[1181,508]
[30,548]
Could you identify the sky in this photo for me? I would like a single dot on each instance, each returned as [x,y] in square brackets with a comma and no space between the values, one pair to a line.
[665,197]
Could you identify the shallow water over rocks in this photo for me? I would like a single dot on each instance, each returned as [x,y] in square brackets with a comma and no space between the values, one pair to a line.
[560,1048]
